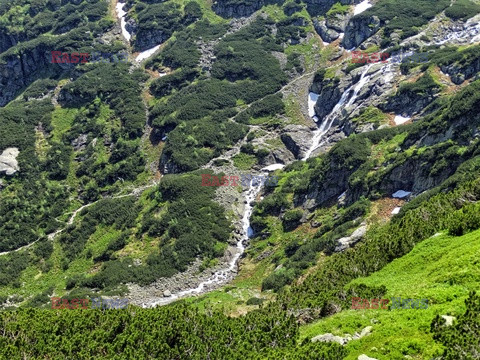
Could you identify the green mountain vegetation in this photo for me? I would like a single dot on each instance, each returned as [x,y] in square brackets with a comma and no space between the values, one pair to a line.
[105,195]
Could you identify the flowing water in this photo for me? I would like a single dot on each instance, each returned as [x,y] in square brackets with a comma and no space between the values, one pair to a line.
[222,276]
[336,111]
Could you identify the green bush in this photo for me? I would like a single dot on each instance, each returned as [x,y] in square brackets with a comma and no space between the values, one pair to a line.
[462,10]
[255,301]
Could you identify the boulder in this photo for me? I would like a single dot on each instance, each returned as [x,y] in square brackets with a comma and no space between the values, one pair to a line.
[327,34]
[448,320]
[329,338]
[8,161]
[338,22]
[365,357]
[346,242]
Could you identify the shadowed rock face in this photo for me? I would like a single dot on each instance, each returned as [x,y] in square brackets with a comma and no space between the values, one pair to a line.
[8,161]
[359,29]
[330,28]
[146,39]
[17,71]
[9,40]
[229,8]
[296,138]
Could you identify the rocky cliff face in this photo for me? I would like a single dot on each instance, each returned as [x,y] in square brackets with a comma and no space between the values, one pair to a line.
[17,71]
[9,40]
[358,29]
[148,38]
[330,28]
[459,73]
[329,91]
[407,103]
[229,8]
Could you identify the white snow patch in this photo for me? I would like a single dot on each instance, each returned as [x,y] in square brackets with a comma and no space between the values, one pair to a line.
[273,167]
[147,53]
[121,14]
[400,119]
[364,5]
[401,194]
[312,100]
[396,211]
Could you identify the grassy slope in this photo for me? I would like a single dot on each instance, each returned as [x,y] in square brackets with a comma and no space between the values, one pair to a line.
[442,269]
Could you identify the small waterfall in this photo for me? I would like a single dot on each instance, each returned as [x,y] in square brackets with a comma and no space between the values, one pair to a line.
[222,276]
[363,80]
[328,122]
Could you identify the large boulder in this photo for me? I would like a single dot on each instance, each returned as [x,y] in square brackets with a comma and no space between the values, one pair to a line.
[365,357]
[327,34]
[346,242]
[8,161]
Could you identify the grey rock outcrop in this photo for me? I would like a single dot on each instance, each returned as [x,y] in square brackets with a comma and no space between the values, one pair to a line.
[338,22]
[448,319]
[131,26]
[329,93]
[148,38]
[329,28]
[327,34]
[80,142]
[229,8]
[346,242]
[342,340]
[17,71]
[297,139]
[365,357]
[8,161]
[358,29]
[9,40]
[330,338]
[459,74]
[409,103]
[282,155]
